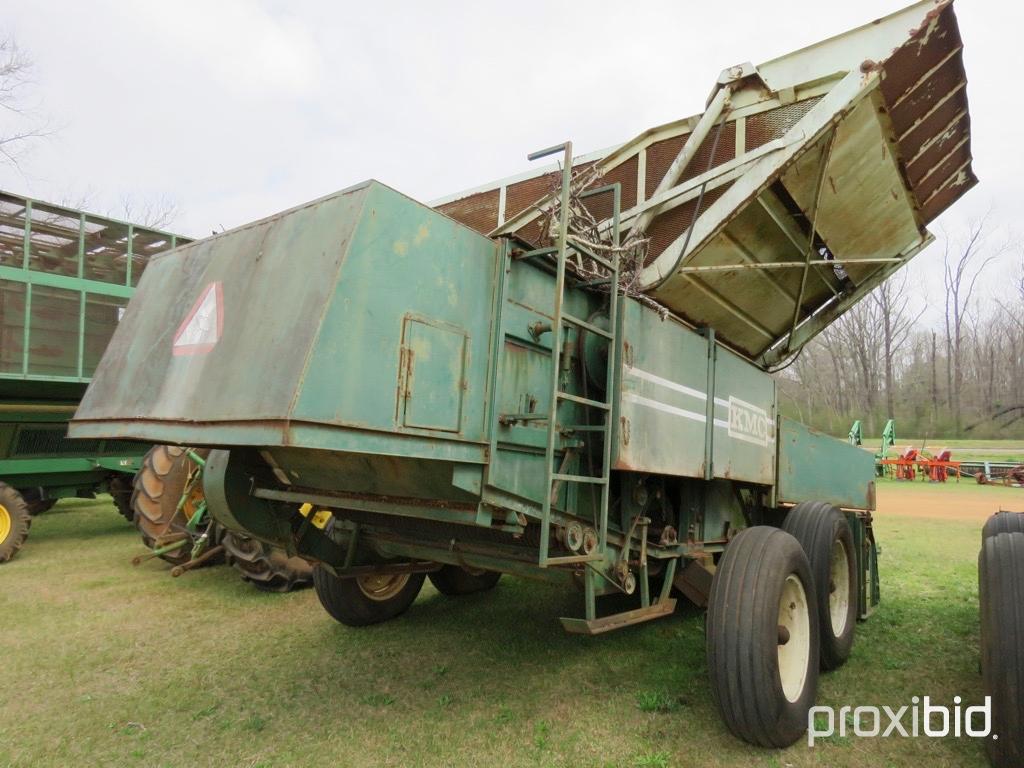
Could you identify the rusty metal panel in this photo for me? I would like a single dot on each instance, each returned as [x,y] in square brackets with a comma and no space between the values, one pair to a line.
[744,434]
[924,85]
[852,145]
[319,297]
[662,405]
[816,467]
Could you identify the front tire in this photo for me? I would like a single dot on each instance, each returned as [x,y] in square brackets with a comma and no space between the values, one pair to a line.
[452,580]
[158,489]
[365,600]
[762,637]
[827,540]
[15,520]
[1001,594]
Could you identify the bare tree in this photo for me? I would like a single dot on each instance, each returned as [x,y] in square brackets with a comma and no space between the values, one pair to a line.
[963,263]
[893,303]
[20,124]
[155,213]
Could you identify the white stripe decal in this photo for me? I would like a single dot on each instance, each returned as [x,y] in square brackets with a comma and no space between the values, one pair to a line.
[658,406]
[664,408]
[692,415]
[655,379]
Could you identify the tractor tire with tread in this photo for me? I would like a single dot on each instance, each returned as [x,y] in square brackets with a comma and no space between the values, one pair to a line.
[365,600]
[157,490]
[826,538]
[121,491]
[1001,597]
[267,568]
[453,580]
[36,502]
[15,521]
[762,637]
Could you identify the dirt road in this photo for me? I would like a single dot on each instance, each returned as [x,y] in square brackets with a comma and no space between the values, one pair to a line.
[946,501]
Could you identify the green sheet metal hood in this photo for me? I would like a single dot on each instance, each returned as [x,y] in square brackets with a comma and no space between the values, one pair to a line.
[296,319]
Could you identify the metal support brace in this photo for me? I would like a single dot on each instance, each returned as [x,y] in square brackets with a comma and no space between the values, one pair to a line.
[709,406]
[687,153]
[826,156]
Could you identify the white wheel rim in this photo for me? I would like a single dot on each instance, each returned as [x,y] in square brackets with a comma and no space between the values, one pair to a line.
[795,642]
[383,586]
[839,586]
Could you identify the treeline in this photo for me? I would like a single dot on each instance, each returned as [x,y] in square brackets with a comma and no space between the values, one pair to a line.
[962,376]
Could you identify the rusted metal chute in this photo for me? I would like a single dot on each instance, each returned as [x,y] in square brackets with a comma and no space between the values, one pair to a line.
[806,182]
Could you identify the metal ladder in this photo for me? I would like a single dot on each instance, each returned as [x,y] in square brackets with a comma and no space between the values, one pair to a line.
[561,318]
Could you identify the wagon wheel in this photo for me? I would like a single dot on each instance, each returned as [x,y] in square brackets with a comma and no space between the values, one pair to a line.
[120,488]
[452,580]
[266,567]
[827,540]
[159,486]
[1000,585]
[36,502]
[762,637]
[15,521]
[363,600]
[1003,522]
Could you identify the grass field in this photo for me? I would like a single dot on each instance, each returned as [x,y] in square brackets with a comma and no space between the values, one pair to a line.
[105,664]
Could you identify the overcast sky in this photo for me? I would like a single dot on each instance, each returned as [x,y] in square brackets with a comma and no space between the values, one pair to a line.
[235,110]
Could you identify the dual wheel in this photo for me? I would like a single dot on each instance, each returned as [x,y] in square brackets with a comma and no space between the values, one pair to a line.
[783,605]
[372,598]
[1001,597]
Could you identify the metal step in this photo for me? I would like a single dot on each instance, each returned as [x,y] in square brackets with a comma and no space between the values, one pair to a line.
[607,623]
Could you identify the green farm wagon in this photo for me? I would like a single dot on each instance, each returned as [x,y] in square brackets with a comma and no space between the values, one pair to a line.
[65,280]
[567,375]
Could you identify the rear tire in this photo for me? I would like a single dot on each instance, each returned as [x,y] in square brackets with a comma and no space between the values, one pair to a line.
[267,568]
[158,489]
[827,540]
[1001,594]
[15,521]
[36,502]
[1003,522]
[453,580]
[365,600]
[762,637]
[121,490]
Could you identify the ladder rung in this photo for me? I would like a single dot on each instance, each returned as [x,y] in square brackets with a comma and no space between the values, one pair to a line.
[579,479]
[584,401]
[588,428]
[584,324]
